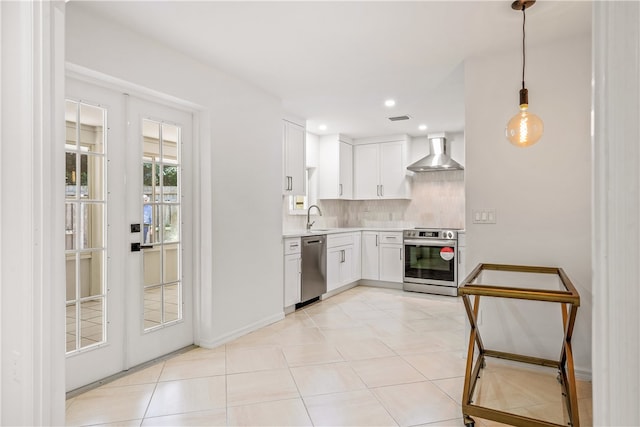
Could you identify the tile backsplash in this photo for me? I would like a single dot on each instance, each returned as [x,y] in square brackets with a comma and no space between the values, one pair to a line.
[437,200]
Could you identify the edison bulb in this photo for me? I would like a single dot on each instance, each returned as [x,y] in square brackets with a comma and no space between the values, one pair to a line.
[525,128]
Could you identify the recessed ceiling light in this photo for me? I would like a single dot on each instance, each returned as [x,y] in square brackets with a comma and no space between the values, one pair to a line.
[390,102]
[322,127]
[422,127]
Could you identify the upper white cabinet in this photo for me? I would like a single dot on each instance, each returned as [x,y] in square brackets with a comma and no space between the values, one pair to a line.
[293,158]
[335,167]
[380,170]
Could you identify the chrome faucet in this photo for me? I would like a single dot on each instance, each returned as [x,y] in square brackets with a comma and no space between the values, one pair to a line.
[309,224]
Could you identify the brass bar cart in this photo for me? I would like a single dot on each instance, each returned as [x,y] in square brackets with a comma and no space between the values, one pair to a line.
[569,301]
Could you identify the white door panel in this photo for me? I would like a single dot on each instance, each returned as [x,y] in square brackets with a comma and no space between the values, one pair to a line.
[158,290]
[106,281]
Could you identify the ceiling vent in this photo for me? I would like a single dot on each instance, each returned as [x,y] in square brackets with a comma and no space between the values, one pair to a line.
[398,118]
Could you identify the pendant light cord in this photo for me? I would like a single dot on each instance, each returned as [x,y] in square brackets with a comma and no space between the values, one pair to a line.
[524,18]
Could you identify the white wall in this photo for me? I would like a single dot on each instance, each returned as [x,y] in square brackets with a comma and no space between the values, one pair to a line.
[541,194]
[240,139]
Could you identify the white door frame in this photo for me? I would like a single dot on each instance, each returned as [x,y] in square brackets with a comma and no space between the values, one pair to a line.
[616,213]
[32,290]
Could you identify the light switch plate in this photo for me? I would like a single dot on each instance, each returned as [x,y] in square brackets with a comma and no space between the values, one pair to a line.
[484,216]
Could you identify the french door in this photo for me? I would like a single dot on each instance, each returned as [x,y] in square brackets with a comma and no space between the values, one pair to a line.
[128,206]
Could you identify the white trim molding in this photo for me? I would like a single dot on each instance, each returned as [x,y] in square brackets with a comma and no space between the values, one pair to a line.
[242,331]
[32,294]
[616,213]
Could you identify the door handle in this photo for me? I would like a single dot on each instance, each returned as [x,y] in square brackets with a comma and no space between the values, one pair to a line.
[381,190]
[340,189]
[378,190]
[400,254]
[376,240]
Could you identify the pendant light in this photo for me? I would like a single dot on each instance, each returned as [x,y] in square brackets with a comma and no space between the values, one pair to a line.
[525,128]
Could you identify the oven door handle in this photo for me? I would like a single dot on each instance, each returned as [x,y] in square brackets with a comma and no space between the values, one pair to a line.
[439,243]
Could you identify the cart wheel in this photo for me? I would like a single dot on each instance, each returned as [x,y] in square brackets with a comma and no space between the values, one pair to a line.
[468,421]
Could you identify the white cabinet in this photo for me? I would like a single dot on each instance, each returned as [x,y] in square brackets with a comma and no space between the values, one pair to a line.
[382,256]
[342,253]
[292,271]
[462,247]
[370,255]
[335,168]
[293,158]
[379,171]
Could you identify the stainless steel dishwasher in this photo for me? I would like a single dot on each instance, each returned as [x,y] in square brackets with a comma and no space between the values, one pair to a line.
[314,267]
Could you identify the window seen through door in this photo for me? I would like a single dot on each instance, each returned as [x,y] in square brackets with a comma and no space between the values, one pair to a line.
[161,224]
[85,210]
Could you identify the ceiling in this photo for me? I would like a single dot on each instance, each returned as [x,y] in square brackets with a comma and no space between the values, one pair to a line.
[335,63]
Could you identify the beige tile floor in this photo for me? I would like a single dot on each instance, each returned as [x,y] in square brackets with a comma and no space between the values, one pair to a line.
[367,356]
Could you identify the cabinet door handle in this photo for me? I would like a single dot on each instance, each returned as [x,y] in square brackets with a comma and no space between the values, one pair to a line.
[382,190]
[378,190]
[376,240]
[400,254]
[290,183]
[344,258]
[340,189]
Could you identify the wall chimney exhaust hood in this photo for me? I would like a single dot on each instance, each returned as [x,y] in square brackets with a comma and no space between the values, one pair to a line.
[439,159]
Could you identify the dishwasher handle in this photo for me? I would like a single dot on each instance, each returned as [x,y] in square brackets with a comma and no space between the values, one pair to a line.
[313,241]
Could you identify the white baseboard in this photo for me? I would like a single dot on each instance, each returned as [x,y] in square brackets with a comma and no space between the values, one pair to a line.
[380,284]
[241,331]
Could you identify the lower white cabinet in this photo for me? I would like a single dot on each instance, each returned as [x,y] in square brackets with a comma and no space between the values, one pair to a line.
[343,252]
[391,263]
[462,247]
[292,271]
[382,256]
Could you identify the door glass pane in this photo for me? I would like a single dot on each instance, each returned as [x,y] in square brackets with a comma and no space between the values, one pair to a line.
[91,232]
[152,261]
[71,174]
[92,128]
[170,183]
[171,263]
[72,326]
[170,140]
[70,227]
[171,302]
[91,274]
[161,210]
[71,266]
[152,307]
[85,224]
[91,325]
[151,138]
[91,176]
[171,223]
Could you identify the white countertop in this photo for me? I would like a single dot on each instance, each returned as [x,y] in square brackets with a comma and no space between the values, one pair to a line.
[303,233]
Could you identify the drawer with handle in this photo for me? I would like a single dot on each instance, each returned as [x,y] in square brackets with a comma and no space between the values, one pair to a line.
[292,246]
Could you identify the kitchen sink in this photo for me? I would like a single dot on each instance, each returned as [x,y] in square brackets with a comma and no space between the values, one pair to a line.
[316,230]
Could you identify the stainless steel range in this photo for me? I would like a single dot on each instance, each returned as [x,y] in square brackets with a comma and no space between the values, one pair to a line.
[431,261]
